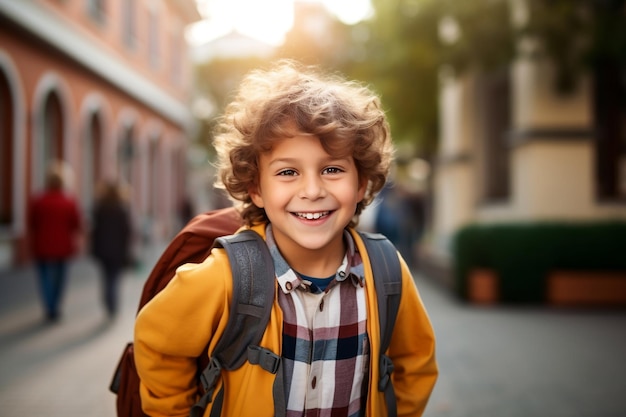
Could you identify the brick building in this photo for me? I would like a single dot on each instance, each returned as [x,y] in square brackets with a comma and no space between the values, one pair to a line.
[103,85]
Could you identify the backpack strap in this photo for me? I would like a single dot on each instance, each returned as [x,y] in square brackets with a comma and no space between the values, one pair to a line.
[253,292]
[388,282]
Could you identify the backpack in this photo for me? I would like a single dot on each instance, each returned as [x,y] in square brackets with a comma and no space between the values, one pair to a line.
[250,309]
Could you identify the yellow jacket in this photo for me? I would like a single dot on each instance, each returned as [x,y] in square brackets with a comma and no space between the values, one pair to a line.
[172,330]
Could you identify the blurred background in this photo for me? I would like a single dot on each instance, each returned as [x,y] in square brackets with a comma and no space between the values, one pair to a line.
[509,119]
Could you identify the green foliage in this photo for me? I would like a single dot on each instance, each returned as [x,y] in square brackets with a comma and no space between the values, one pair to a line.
[406,54]
[563,27]
[577,35]
[400,52]
[523,254]
[486,38]
[219,79]
[608,32]
[403,64]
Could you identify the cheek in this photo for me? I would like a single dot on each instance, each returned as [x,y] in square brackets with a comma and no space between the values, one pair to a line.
[271,195]
[278,196]
[346,195]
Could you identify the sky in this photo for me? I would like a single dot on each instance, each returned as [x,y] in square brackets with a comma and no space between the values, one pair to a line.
[267,20]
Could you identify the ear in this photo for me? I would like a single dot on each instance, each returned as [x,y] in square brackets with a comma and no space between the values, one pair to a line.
[256,196]
[362,189]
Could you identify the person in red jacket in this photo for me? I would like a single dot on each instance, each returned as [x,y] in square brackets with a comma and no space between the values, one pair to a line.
[54,223]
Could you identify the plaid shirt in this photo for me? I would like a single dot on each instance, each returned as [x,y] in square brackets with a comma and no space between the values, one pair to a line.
[325,345]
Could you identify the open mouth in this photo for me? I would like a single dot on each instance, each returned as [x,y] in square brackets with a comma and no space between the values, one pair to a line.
[312,216]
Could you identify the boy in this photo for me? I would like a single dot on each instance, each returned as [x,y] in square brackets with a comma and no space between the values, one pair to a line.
[302,154]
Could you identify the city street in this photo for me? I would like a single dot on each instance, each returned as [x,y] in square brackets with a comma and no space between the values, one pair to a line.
[495,361]
[63,369]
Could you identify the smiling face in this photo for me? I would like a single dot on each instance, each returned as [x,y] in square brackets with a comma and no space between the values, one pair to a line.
[308,195]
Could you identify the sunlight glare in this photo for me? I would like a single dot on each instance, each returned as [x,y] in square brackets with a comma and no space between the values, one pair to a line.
[267,20]
[350,12]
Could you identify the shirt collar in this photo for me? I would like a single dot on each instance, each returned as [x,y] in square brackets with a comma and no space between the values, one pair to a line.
[288,280]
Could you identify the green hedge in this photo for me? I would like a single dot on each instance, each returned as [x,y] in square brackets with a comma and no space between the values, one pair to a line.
[523,254]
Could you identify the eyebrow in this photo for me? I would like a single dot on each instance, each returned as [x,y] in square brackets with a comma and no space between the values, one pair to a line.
[293,160]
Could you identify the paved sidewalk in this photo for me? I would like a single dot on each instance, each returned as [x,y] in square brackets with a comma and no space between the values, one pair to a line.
[63,369]
[526,361]
[494,362]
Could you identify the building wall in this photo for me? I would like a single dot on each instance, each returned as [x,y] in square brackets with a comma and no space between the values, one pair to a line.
[105,88]
[551,151]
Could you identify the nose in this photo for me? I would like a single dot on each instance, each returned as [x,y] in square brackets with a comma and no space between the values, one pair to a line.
[312,187]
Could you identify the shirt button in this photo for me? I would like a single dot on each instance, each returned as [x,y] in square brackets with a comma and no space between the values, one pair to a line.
[314,382]
[322,305]
[289,286]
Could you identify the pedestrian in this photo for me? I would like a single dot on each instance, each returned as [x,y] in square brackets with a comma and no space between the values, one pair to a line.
[301,153]
[186,211]
[395,219]
[54,227]
[110,241]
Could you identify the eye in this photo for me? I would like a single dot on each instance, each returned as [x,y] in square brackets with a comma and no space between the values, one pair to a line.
[287,173]
[332,170]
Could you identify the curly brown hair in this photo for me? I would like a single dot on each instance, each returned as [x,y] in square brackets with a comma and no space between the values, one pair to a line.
[346,116]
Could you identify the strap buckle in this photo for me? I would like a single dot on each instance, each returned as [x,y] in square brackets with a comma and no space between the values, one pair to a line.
[265,358]
[386,368]
[210,374]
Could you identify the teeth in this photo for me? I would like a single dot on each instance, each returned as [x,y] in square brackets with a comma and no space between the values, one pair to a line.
[312,216]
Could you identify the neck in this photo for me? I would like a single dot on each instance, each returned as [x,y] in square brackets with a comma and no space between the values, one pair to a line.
[321,262]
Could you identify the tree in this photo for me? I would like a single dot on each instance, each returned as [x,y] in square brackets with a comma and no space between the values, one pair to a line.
[578,36]
[401,51]
[217,80]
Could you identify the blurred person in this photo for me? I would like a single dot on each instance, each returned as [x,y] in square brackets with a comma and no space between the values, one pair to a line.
[396,220]
[187,210]
[54,225]
[110,241]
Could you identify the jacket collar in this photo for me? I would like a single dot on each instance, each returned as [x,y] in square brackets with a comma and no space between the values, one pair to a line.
[288,280]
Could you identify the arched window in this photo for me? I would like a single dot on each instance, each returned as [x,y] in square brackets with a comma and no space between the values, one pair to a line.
[92,156]
[154,179]
[126,154]
[6,152]
[49,140]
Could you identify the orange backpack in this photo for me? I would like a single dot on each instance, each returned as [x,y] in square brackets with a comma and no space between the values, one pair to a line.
[192,244]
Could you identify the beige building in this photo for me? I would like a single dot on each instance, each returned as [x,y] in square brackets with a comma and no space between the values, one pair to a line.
[512,149]
[104,86]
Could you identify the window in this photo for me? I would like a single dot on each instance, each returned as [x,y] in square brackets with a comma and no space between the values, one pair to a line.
[153,38]
[126,154]
[91,157]
[52,128]
[494,108]
[129,19]
[176,55]
[609,101]
[97,10]
[610,128]
[6,151]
